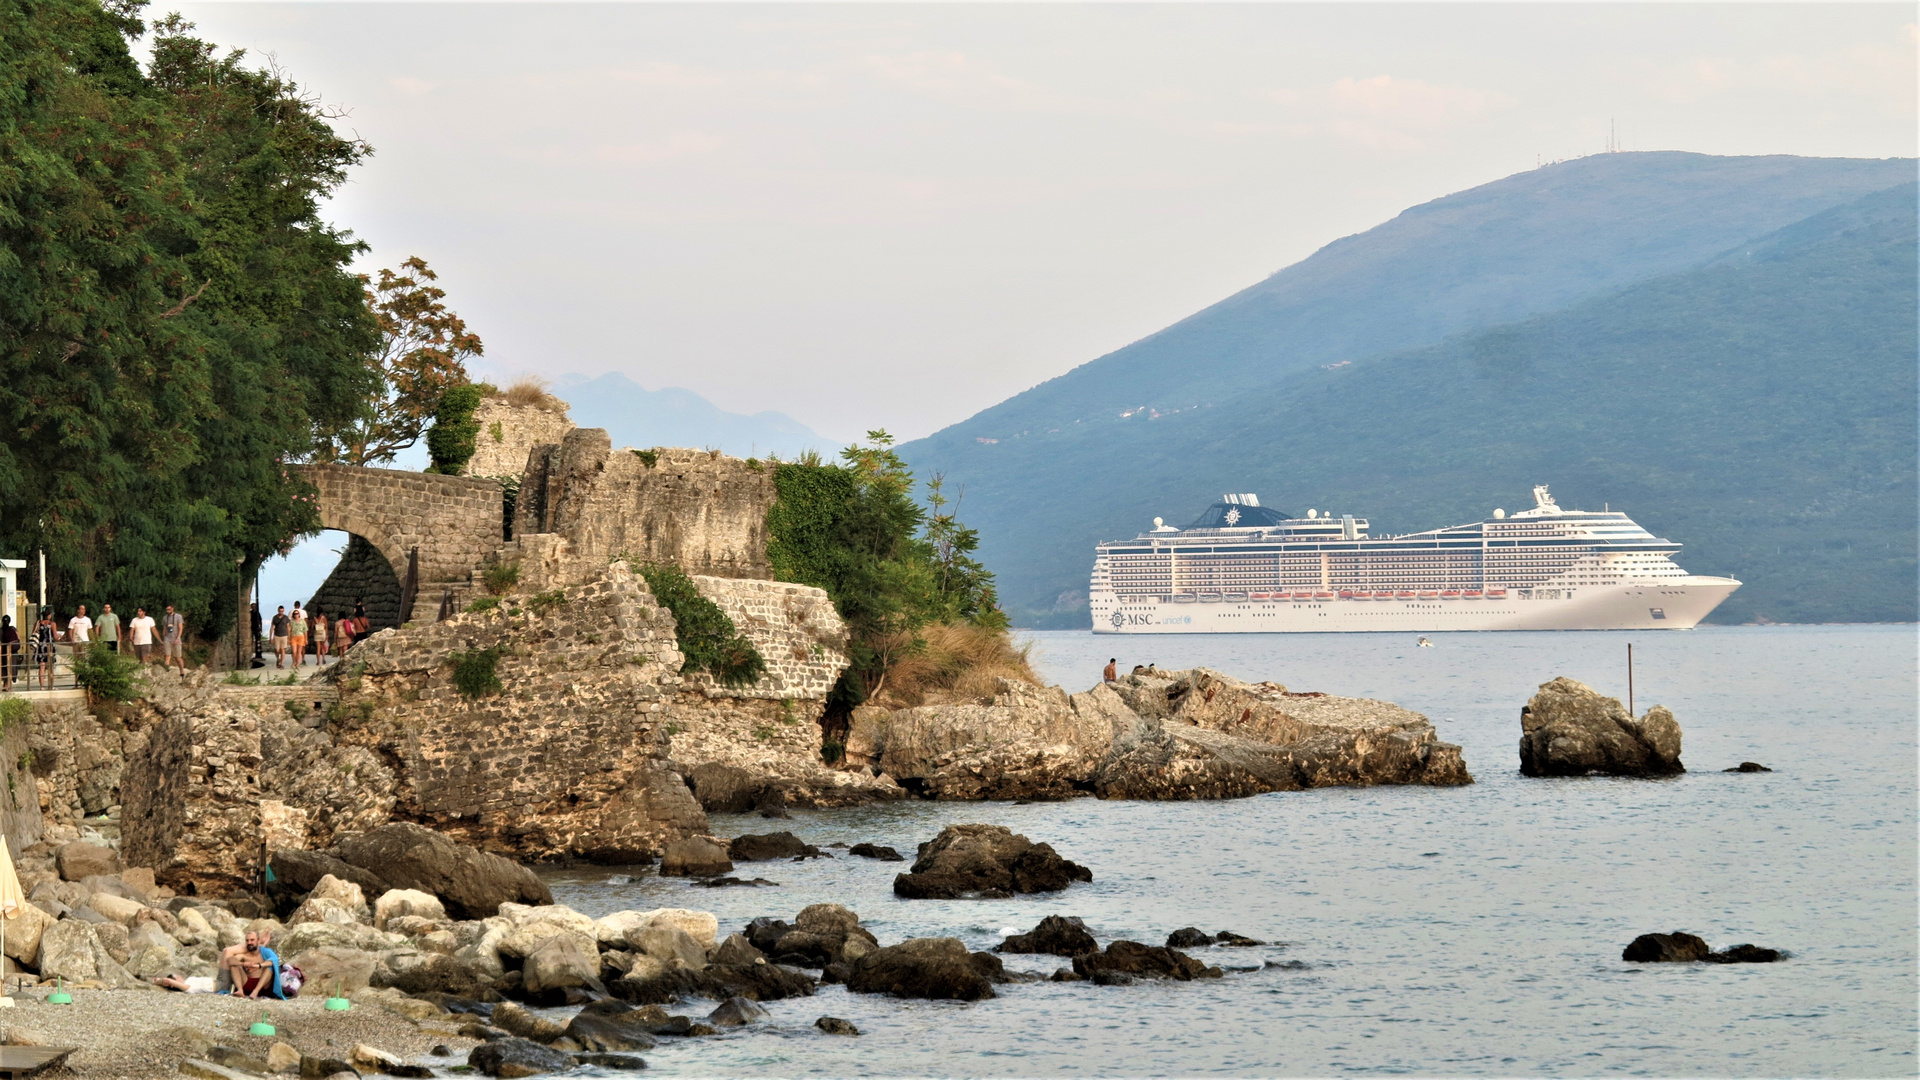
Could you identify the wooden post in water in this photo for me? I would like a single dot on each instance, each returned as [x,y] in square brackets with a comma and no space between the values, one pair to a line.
[1630,711]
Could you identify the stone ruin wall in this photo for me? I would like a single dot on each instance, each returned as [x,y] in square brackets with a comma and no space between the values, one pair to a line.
[508,432]
[702,511]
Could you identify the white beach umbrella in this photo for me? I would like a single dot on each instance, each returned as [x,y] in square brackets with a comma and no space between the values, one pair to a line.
[12,902]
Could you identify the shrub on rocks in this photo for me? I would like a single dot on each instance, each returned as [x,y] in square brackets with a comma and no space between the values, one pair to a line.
[989,861]
[1056,935]
[938,968]
[1143,961]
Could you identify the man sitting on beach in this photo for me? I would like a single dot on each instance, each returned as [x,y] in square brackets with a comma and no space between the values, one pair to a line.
[252,968]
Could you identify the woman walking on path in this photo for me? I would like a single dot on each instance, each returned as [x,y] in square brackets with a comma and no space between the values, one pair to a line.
[44,636]
[319,637]
[342,637]
[297,636]
[9,653]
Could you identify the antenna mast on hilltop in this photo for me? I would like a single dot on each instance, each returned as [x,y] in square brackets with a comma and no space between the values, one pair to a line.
[1613,137]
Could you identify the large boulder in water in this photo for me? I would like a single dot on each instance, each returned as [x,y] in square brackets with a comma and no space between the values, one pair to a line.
[470,882]
[938,968]
[988,861]
[1570,729]
[1057,935]
[761,847]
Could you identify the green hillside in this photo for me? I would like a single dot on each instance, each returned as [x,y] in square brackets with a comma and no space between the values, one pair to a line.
[1759,409]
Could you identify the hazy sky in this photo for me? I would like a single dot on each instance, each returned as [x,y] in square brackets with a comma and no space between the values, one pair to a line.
[874,215]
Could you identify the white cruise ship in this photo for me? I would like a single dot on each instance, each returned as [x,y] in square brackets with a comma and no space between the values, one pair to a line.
[1247,568]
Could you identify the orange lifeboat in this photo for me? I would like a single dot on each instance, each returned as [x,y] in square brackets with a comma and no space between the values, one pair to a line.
[1450,594]
[1404,595]
[1303,596]
[1496,594]
[1323,596]
[1429,594]
[1257,596]
[1470,594]
[1348,594]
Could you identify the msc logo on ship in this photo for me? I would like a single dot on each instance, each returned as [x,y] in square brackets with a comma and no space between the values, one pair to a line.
[1121,618]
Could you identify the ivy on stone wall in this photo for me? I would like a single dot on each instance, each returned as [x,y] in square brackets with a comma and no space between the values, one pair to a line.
[707,637]
[455,434]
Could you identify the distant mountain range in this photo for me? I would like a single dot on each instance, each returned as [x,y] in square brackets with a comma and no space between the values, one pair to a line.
[636,416]
[1723,347]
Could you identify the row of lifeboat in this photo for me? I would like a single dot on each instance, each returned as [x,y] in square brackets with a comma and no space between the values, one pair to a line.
[1324,595]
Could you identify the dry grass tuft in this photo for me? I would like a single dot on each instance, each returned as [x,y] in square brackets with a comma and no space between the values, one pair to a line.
[953,663]
[530,391]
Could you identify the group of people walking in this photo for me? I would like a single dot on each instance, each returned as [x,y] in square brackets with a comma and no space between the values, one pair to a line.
[39,651]
[295,632]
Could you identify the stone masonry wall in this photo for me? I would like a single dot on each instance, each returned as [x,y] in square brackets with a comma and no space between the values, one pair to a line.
[508,432]
[455,521]
[696,509]
[796,630]
[566,759]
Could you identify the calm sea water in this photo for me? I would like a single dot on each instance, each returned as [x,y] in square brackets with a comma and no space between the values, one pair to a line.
[1472,930]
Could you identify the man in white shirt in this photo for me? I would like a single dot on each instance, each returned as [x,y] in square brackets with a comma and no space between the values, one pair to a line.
[140,630]
[80,629]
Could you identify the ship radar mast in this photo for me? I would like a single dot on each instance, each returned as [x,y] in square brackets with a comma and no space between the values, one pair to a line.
[1542,500]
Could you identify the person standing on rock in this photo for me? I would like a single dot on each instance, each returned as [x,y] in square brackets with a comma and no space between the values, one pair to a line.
[173,640]
[280,636]
[140,631]
[1112,673]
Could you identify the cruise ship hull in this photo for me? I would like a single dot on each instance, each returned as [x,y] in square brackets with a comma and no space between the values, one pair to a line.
[1663,605]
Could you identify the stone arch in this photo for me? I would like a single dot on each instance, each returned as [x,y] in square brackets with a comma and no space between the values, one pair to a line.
[364,575]
[452,522]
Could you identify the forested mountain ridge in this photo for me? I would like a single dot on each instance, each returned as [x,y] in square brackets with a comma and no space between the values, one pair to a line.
[1520,246]
[1758,408]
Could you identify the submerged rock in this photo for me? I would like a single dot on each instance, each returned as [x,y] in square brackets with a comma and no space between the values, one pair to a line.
[1675,948]
[765,846]
[875,851]
[1748,766]
[1188,937]
[987,861]
[1570,729]
[1142,961]
[833,1025]
[1745,954]
[694,857]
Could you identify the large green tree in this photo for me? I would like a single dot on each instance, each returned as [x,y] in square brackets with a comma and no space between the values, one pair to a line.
[176,318]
